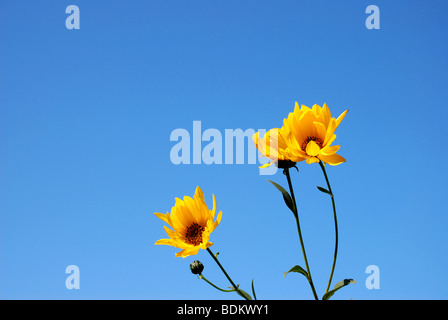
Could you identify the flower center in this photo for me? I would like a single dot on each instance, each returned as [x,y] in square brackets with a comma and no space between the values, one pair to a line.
[194,234]
[318,141]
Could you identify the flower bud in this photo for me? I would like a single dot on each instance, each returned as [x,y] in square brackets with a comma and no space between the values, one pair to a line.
[196,267]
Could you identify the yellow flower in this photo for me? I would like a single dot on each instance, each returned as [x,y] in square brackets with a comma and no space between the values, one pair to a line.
[311,133]
[192,224]
[272,145]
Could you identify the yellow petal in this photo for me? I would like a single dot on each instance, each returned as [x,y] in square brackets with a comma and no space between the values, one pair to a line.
[199,193]
[316,110]
[329,150]
[167,242]
[180,214]
[296,158]
[304,108]
[208,244]
[218,220]
[294,151]
[333,159]
[271,149]
[187,252]
[172,234]
[312,160]
[296,107]
[266,164]
[255,138]
[330,140]
[163,217]
[330,131]
[312,149]
[326,114]
[305,126]
[214,207]
[321,130]
[339,119]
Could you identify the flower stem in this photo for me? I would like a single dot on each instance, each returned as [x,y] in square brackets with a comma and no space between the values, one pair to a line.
[335,225]
[225,273]
[214,286]
[296,216]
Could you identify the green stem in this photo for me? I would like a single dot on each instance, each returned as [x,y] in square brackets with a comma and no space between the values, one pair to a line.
[335,225]
[225,273]
[296,216]
[209,282]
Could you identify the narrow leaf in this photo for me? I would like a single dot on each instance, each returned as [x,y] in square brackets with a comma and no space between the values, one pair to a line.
[297,269]
[285,194]
[253,290]
[242,293]
[324,190]
[338,286]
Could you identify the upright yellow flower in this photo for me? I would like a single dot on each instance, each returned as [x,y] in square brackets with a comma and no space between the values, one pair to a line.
[272,145]
[192,224]
[311,132]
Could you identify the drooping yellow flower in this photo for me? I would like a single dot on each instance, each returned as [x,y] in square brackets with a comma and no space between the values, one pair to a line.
[311,133]
[192,224]
[272,145]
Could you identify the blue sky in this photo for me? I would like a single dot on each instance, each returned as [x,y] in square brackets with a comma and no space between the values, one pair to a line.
[86,117]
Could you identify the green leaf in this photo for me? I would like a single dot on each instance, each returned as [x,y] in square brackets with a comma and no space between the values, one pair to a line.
[244,294]
[324,190]
[241,292]
[338,286]
[297,269]
[285,194]
[253,290]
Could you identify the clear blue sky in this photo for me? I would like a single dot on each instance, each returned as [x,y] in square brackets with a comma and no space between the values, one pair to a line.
[86,117]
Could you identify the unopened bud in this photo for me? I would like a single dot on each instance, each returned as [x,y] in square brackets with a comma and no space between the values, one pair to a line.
[196,267]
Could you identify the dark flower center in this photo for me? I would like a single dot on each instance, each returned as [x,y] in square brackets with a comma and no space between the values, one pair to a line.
[194,234]
[318,141]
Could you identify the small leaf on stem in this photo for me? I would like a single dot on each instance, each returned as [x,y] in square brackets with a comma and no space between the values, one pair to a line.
[285,194]
[297,269]
[253,290]
[324,190]
[241,292]
[338,286]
